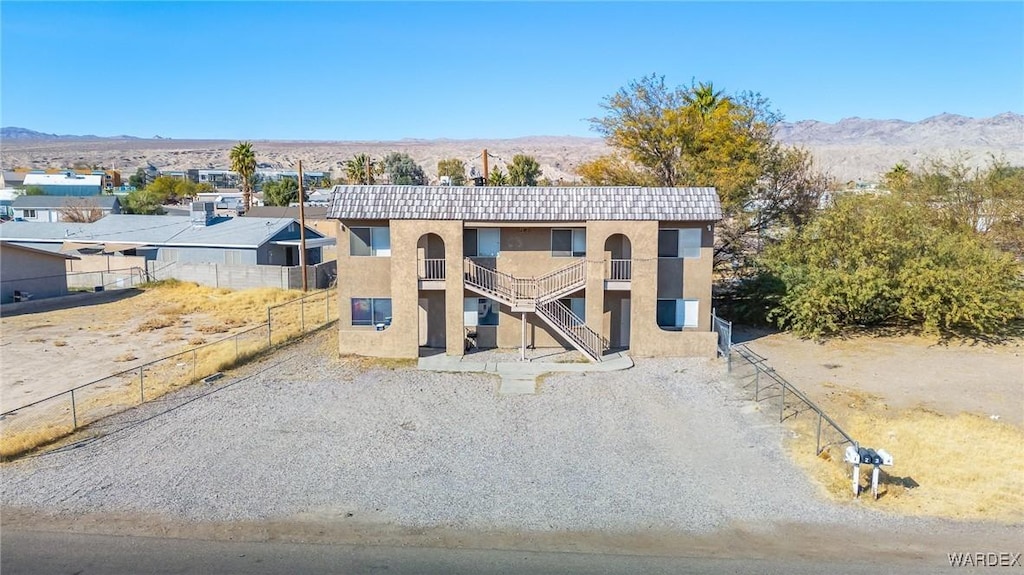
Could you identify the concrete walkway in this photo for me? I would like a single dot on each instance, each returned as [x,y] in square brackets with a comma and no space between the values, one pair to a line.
[520,377]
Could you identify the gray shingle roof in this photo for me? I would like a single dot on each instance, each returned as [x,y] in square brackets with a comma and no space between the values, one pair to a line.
[153,230]
[35,202]
[508,204]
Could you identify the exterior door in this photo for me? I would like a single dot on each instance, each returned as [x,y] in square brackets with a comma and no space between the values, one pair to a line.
[624,324]
[423,315]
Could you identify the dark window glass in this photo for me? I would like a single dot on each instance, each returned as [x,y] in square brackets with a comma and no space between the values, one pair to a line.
[666,313]
[359,242]
[361,311]
[668,243]
[469,243]
[561,243]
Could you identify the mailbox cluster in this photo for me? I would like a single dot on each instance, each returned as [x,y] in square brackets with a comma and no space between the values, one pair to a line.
[857,455]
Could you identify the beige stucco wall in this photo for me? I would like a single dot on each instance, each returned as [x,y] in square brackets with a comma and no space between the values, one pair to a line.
[101,263]
[525,252]
[396,277]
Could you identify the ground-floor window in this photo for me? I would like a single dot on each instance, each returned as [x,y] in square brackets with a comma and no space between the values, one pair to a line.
[577,305]
[480,311]
[678,313]
[371,311]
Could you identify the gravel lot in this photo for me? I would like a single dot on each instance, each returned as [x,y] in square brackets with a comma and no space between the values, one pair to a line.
[665,445]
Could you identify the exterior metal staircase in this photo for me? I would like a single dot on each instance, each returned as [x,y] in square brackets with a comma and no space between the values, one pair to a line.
[540,295]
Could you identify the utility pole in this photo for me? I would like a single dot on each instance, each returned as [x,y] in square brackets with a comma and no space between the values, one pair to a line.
[302,230]
[485,166]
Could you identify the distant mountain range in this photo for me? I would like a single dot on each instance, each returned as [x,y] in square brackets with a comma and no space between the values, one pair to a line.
[851,149]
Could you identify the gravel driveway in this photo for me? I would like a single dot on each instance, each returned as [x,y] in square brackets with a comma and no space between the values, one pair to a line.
[665,445]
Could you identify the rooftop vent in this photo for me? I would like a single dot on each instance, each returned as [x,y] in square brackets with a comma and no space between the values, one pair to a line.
[202,213]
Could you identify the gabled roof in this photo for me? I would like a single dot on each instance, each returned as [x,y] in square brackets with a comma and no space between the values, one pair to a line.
[517,204]
[38,202]
[58,255]
[154,231]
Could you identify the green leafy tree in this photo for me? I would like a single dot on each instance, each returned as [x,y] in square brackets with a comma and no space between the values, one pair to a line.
[876,261]
[243,161]
[33,191]
[523,171]
[496,177]
[138,179]
[143,202]
[280,192]
[453,168]
[699,136]
[402,170]
[362,169]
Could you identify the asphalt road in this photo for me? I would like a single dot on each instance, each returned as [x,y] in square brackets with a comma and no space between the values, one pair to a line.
[29,552]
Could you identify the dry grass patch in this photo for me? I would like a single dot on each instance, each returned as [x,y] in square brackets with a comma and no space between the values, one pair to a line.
[37,340]
[20,442]
[125,357]
[196,341]
[59,343]
[965,467]
[155,323]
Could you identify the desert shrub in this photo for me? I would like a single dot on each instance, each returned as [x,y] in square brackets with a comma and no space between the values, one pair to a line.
[872,261]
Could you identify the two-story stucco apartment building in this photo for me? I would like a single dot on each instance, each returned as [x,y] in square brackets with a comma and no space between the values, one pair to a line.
[591,268]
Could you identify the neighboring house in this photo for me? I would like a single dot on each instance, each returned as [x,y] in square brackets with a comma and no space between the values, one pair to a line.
[11,179]
[201,247]
[316,218]
[30,273]
[64,208]
[220,178]
[584,267]
[310,179]
[66,183]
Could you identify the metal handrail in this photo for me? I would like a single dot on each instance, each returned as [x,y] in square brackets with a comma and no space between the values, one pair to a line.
[757,361]
[432,269]
[556,282]
[574,327]
[620,270]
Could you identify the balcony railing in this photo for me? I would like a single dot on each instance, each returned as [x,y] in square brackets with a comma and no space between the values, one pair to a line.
[621,270]
[431,269]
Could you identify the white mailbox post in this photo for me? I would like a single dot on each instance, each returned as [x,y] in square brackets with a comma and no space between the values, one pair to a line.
[857,455]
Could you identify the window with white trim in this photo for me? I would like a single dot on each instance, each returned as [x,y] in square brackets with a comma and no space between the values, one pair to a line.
[569,243]
[369,241]
[480,311]
[29,214]
[371,311]
[678,313]
[679,242]
[481,242]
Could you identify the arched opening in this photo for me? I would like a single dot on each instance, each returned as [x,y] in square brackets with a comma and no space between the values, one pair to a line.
[430,261]
[618,254]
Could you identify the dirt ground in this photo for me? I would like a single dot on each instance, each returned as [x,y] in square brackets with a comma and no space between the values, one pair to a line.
[45,353]
[904,372]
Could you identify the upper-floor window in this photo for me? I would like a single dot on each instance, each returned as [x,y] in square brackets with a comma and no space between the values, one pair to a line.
[370,241]
[481,242]
[569,243]
[679,243]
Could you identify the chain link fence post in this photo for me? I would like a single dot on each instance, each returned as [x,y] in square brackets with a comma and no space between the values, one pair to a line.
[270,331]
[142,387]
[74,412]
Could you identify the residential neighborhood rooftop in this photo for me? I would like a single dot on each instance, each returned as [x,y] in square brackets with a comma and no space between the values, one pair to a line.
[520,204]
[46,201]
[151,230]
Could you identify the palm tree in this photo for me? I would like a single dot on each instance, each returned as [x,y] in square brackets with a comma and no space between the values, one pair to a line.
[704,98]
[497,177]
[361,169]
[243,161]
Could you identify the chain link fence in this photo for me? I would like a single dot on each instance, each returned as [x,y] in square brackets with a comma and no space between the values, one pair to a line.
[49,419]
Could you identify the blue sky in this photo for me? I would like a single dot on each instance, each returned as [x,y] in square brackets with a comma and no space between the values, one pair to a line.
[383,71]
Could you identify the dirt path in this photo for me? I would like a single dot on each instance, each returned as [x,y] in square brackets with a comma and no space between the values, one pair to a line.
[905,372]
